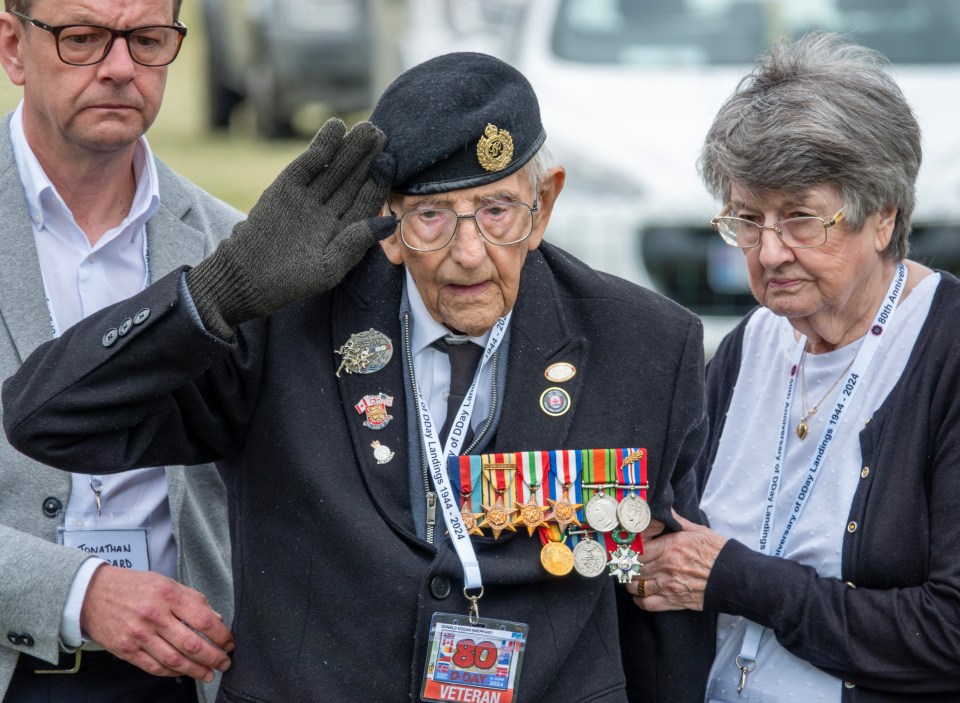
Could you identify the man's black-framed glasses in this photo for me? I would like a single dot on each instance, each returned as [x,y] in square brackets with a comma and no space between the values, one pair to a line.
[796,232]
[87,44]
[500,224]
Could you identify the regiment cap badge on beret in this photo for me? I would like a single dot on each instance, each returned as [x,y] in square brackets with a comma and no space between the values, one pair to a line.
[457,121]
[495,149]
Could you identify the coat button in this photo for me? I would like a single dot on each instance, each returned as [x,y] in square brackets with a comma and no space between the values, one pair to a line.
[440,587]
[864,472]
[110,337]
[125,326]
[849,684]
[51,506]
[26,640]
[852,527]
[141,316]
[13,638]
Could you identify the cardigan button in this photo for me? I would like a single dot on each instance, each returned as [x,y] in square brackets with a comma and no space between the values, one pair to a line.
[440,587]
[52,506]
[864,472]
[852,527]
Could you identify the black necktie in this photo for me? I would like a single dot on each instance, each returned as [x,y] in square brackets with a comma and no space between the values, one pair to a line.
[464,357]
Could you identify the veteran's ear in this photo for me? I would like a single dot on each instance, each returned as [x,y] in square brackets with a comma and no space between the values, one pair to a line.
[547,192]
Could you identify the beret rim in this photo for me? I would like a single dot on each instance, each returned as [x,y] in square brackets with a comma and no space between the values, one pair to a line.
[459,183]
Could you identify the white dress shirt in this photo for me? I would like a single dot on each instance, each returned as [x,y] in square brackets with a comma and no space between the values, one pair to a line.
[80,279]
[432,366]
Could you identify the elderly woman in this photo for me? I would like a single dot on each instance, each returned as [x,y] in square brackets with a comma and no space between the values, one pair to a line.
[832,476]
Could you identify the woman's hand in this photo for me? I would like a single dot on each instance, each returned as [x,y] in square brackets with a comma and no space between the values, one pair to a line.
[676,567]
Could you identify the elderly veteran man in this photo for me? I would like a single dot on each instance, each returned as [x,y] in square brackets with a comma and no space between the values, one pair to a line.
[88,217]
[322,409]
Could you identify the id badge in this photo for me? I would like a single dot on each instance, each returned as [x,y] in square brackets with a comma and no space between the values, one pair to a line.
[119,538]
[473,661]
[724,692]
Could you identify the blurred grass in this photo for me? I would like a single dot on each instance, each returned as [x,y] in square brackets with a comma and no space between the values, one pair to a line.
[234,165]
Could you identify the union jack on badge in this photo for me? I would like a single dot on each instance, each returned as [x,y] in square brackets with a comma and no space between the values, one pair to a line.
[375,406]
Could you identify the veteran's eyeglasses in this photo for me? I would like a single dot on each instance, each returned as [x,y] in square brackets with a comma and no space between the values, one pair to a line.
[87,44]
[500,224]
[795,232]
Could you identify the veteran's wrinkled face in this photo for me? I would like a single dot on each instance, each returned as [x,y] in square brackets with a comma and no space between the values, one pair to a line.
[469,284]
[828,281]
[98,108]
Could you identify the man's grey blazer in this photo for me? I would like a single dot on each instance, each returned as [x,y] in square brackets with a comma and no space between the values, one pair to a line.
[36,572]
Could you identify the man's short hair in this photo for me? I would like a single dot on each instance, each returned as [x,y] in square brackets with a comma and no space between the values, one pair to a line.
[25,6]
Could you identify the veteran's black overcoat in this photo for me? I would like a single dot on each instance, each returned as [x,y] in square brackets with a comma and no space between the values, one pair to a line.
[334,591]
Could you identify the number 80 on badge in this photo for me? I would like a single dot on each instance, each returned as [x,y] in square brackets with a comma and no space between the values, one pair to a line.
[479,663]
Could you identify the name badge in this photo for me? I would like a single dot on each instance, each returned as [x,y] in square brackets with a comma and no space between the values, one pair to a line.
[120,539]
[473,661]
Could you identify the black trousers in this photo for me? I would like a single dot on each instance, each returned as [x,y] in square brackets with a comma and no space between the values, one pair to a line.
[103,678]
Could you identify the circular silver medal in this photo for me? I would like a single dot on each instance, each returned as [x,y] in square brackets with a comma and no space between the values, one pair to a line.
[601,512]
[589,558]
[633,513]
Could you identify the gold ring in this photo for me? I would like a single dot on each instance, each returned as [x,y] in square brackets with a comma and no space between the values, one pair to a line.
[642,588]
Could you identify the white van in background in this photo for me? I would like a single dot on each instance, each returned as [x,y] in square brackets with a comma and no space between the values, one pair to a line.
[628,89]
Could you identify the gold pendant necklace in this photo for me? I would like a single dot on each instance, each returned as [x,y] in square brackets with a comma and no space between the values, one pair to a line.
[802,427]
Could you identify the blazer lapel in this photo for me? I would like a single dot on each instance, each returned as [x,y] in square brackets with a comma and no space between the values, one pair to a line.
[23,303]
[170,241]
[539,337]
[370,300]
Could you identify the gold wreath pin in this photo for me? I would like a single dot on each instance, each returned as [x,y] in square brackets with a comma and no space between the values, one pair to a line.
[495,149]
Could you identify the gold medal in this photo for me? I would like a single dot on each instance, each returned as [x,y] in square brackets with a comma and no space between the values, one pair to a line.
[497,517]
[564,512]
[556,558]
[531,514]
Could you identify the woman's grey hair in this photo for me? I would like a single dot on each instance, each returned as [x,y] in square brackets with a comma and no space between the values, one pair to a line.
[821,111]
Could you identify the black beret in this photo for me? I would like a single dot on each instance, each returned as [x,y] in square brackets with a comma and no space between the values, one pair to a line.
[458,121]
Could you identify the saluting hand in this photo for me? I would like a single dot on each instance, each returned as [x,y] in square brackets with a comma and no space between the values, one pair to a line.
[307,230]
[152,622]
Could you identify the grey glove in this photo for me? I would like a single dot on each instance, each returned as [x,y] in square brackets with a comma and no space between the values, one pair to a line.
[307,230]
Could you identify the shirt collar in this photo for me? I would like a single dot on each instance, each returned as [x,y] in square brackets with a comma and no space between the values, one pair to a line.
[41,195]
[426,330]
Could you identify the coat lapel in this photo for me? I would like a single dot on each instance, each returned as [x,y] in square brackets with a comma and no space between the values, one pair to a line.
[539,337]
[170,241]
[23,303]
[370,299]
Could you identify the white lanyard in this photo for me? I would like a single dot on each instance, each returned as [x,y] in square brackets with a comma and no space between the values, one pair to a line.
[849,386]
[436,458]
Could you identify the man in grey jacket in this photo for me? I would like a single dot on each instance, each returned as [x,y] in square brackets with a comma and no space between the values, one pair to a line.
[88,217]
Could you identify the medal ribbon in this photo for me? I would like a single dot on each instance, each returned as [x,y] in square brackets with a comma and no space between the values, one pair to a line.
[848,388]
[435,455]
